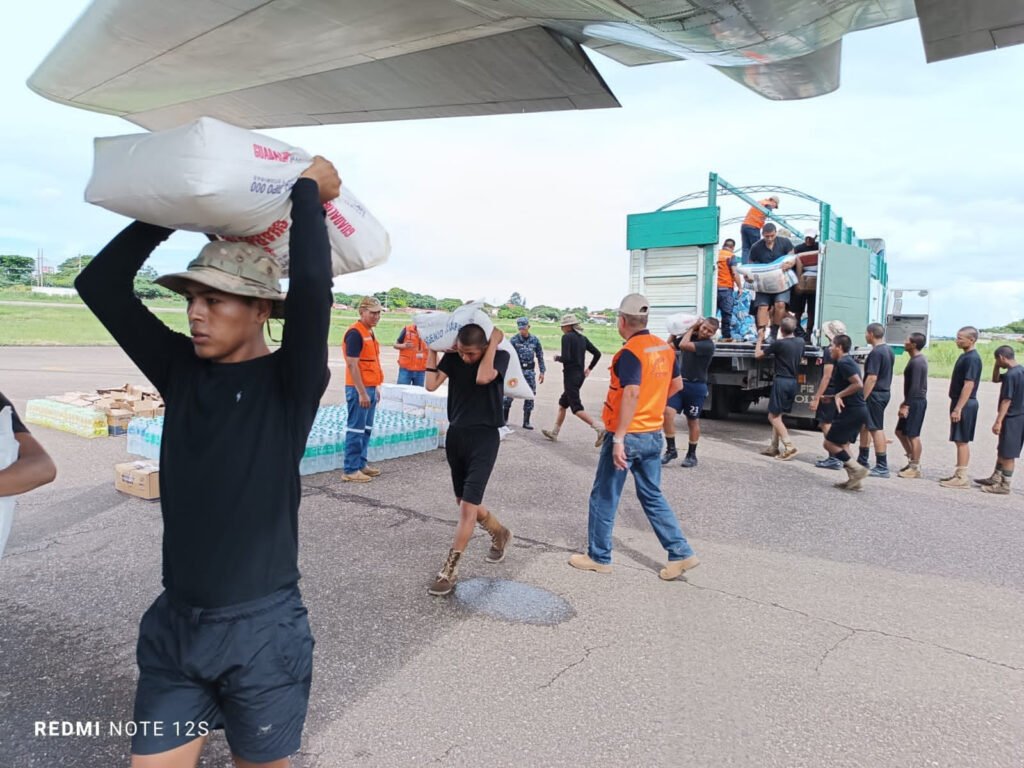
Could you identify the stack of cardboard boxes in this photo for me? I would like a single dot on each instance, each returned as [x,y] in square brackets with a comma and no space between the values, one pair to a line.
[119,404]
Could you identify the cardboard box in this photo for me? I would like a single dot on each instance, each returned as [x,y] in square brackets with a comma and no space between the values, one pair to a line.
[117,421]
[138,478]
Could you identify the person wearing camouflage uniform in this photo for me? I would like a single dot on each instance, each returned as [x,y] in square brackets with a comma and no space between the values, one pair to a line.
[528,348]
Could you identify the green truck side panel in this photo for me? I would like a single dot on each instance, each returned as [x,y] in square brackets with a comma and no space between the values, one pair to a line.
[844,286]
[667,229]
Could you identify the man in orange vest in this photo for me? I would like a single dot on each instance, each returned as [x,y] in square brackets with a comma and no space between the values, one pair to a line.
[412,356]
[729,284]
[363,375]
[644,373]
[750,229]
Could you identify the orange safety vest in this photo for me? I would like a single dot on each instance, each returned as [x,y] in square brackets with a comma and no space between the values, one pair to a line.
[415,358]
[724,270]
[756,217]
[369,358]
[656,359]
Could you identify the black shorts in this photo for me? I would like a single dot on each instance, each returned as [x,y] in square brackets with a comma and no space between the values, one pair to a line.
[963,430]
[784,392]
[471,453]
[689,401]
[826,412]
[877,403]
[571,384]
[245,668]
[910,425]
[847,425]
[1011,437]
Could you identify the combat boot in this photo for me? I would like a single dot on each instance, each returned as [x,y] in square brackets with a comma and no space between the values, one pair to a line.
[958,480]
[773,449]
[856,474]
[788,452]
[500,538]
[912,470]
[444,583]
[526,421]
[991,479]
[1001,486]
[505,412]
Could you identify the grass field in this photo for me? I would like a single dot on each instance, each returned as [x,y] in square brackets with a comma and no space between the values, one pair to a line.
[74,325]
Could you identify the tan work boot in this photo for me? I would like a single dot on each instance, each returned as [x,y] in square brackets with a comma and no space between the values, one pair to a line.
[584,563]
[991,479]
[906,466]
[958,480]
[356,477]
[500,538]
[856,474]
[912,470]
[773,449]
[550,434]
[370,471]
[444,583]
[950,477]
[1001,486]
[677,568]
[788,452]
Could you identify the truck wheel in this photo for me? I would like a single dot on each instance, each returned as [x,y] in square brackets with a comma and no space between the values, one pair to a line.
[721,402]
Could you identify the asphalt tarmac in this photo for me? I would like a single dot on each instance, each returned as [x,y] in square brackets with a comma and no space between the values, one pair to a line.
[823,628]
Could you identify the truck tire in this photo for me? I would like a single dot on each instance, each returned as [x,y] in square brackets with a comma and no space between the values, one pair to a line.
[722,398]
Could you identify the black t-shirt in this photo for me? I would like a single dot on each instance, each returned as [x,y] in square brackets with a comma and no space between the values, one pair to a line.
[234,433]
[787,353]
[880,361]
[805,248]
[966,372]
[695,364]
[574,353]
[826,357]
[845,369]
[471,404]
[15,421]
[760,253]
[915,379]
[1013,390]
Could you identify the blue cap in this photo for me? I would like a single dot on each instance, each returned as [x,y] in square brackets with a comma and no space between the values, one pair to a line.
[523,322]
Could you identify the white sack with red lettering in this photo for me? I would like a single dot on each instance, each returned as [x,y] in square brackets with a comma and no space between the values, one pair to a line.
[211,177]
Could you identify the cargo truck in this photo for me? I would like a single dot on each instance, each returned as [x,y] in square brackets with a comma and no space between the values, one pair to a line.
[672,261]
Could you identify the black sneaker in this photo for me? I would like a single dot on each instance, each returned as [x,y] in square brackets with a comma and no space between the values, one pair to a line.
[689,461]
[527,425]
[670,455]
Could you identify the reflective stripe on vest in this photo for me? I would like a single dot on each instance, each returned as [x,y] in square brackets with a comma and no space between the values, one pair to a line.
[414,359]
[369,358]
[656,358]
[755,217]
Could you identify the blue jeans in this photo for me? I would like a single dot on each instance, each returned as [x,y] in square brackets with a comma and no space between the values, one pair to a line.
[643,456]
[360,424]
[748,236]
[416,378]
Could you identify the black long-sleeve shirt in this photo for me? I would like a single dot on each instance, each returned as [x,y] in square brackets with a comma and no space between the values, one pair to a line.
[574,353]
[234,433]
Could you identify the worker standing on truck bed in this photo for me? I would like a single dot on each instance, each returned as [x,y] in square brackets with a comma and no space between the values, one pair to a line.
[803,295]
[750,229]
[787,351]
[766,250]
[729,285]
[696,359]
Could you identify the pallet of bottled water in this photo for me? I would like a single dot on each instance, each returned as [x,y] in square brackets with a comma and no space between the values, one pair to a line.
[144,436]
[395,434]
[84,422]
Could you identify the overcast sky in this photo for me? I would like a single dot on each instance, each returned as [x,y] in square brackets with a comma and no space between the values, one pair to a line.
[925,156]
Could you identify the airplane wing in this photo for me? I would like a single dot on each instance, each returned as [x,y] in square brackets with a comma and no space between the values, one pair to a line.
[804,77]
[272,64]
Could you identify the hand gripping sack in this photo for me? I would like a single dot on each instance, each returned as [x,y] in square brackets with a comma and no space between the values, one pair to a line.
[8,455]
[211,177]
[680,323]
[775,277]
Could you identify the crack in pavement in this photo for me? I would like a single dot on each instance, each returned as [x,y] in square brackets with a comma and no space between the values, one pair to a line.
[554,548]
[440,758]
[831,648]
[586,655]
[857,630]
[61,539]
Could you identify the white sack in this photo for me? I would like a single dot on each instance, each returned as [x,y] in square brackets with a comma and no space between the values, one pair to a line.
[439,329]
[8,455]
[680,323]
[211,177]
[775,277]
[515,383]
